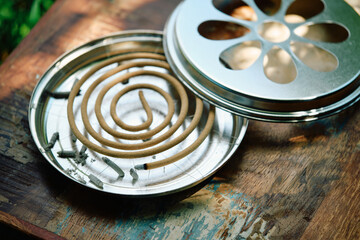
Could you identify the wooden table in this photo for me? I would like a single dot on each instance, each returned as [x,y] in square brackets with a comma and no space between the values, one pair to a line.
[286,181]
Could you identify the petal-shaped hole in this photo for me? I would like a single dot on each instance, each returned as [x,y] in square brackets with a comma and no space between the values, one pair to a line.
[323,32]
[220,30]
[236,8]
[241,56]
[315,57]
[279,67]
[274,31]
[301,10]
[269,7]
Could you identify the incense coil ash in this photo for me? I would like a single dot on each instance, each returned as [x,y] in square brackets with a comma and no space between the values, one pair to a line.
[150,145]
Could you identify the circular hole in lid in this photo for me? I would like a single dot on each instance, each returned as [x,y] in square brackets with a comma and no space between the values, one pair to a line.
[274,31]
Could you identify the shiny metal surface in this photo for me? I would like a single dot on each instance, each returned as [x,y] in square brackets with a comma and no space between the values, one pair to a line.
[48,115]
[312,95]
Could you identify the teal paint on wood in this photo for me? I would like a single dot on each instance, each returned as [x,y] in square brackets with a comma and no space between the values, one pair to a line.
[63,224]
[205,215]
[214,212]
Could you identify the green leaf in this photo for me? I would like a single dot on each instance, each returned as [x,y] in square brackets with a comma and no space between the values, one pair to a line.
[14,30]
[17,17]
[35,12]
[24,30]
[6,11]
[47,4]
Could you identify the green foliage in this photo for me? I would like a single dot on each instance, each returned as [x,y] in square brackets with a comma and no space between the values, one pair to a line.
[17,17]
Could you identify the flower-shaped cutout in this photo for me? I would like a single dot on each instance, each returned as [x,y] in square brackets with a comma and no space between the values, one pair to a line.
[287,34]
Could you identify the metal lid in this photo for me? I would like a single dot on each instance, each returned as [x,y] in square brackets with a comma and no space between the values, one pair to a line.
[323,82]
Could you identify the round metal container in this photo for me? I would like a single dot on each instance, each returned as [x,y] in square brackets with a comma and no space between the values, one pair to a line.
[249,92]
[48,115]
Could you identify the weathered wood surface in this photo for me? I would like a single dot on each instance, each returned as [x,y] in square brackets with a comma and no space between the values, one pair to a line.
[286,181]
[27,228]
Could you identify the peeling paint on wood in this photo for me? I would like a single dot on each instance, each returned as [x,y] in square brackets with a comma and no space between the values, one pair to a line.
[205,215]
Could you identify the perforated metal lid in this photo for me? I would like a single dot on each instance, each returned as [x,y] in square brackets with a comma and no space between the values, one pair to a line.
[287,62]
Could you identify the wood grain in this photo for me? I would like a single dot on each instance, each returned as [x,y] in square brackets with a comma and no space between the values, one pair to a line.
[286,181]
[27,228]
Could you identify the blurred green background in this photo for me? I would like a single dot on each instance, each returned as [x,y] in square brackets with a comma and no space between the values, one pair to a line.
[17,17]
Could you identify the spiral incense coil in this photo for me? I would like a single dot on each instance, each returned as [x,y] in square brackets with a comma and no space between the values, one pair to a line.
[151,145]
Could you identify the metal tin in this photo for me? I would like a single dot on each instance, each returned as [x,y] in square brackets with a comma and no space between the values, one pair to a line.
[48,115]
[248,92]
